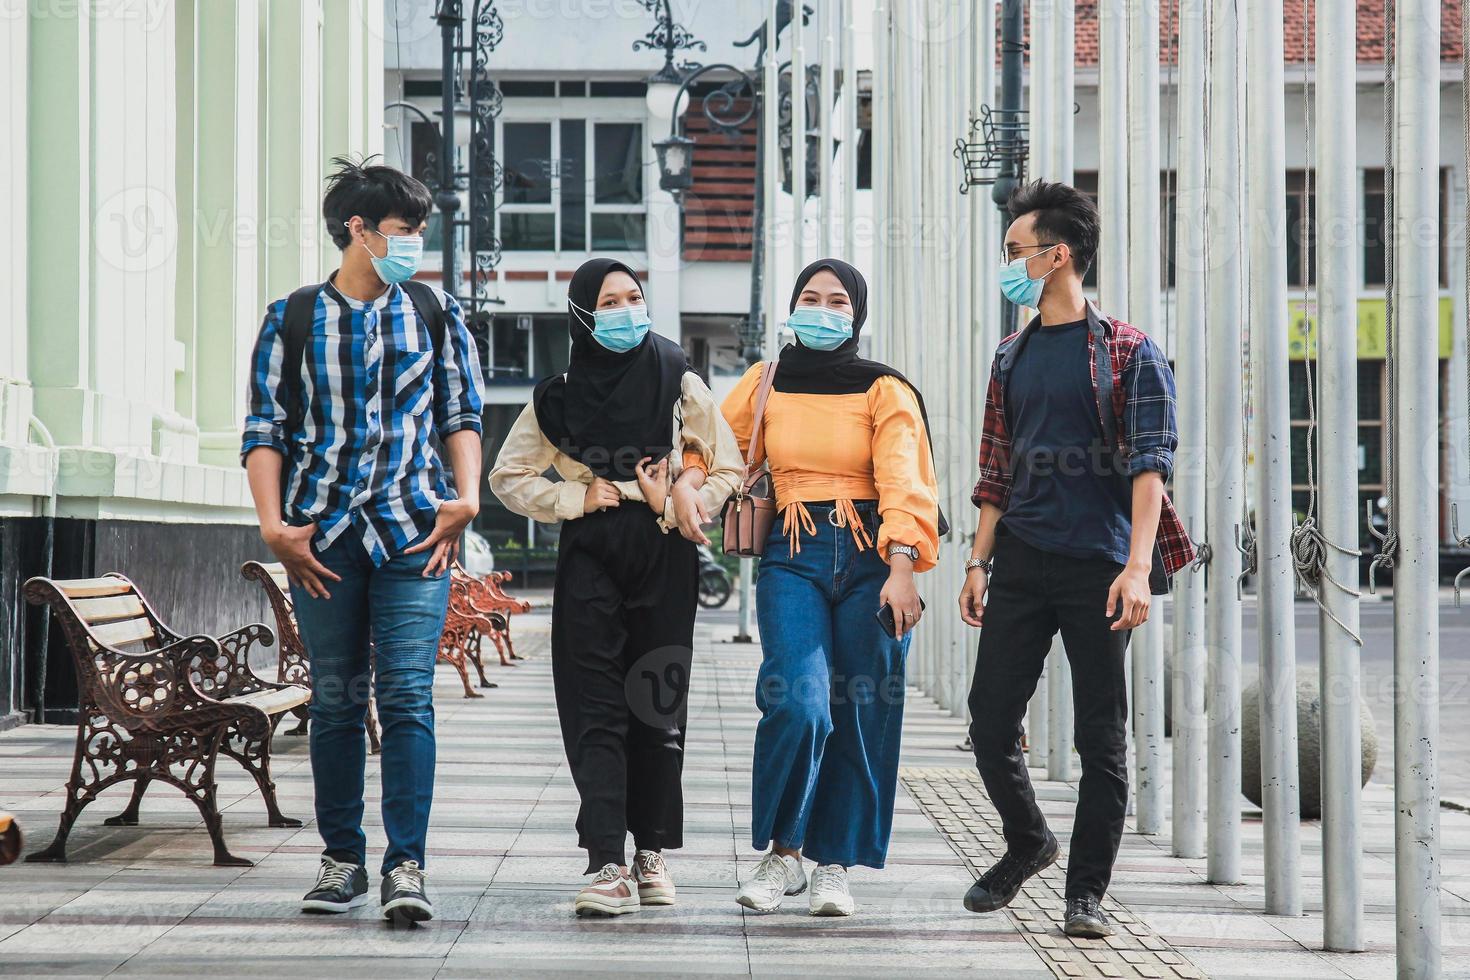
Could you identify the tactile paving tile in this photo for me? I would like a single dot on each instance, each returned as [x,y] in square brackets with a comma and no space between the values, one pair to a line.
[955,802]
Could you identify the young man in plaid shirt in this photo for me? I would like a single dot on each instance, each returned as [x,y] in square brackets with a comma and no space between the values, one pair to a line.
[1079,439]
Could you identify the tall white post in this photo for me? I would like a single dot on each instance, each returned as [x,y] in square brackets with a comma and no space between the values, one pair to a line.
[798,146]
[883,150]
[1224,471]
[1337,357]
[1144,280]
[1265,215]
[771,112]
[1045,748]
[1112,195]
[1188,730]
[825,88]
[1415,125]
[849,130]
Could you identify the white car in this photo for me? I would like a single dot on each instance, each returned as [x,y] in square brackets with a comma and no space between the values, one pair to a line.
[475,554]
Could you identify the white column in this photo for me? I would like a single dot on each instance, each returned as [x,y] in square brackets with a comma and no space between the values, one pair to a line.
[1337,333]
[1189,461]
[1224,473]
[664,220]
[1144,280]
[1416,575]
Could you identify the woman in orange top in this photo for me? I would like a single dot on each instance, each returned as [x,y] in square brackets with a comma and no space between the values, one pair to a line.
[849,454]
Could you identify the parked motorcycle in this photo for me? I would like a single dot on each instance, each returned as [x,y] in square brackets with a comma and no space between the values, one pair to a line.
[714,582]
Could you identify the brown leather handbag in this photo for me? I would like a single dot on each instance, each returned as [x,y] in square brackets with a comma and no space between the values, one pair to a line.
[751,510]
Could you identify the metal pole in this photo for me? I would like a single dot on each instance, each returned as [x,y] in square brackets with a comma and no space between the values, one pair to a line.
[882,167]
[825,86]
[798,144]
[1012,48]
[771,110]
[1189,461]
[1144,278]
[1265,210]
[850,129]
[1416,500]
[1224,471]
[1112,193]
[1337,353]
[447,200]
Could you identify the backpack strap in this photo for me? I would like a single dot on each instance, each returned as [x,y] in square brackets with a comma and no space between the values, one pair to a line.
[429,308]
[296,327]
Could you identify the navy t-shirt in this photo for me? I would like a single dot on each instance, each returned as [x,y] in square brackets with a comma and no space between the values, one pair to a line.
[1070,495]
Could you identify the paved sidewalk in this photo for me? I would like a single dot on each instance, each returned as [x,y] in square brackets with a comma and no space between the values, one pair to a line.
[146,900]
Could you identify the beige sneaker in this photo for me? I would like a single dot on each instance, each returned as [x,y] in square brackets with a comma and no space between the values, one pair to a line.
[612,892]
[777,876]
[655,884]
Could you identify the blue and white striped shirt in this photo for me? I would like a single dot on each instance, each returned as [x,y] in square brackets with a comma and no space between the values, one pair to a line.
[372,392]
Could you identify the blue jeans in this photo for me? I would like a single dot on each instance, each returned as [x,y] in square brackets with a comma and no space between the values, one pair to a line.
[830,692]
[402,613]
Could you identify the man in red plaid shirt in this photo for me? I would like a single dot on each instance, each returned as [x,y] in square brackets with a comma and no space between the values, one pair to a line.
[1075,535]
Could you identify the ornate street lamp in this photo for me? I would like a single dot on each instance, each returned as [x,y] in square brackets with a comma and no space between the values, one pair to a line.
[671,37]
[675,163]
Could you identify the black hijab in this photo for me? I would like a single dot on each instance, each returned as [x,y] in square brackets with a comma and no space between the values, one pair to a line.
[610,409]
[841,371]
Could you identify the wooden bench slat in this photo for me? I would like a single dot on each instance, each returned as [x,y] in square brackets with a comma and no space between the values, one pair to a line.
[124,632]
[104,608]
[81,588]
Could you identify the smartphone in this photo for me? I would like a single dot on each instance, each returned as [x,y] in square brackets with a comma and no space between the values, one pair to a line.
[885,618]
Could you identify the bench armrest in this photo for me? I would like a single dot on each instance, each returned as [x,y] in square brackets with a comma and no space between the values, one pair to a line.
[225,671]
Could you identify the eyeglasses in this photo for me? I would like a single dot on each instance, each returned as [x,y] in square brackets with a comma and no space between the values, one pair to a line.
[1012,252]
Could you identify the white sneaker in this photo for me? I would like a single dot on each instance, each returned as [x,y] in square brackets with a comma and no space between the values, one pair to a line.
[777,876]
[830,895]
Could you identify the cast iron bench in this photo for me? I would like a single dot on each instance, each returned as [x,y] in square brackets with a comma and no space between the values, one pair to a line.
[157,705]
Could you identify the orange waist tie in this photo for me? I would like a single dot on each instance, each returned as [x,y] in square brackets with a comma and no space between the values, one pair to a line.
[795,518]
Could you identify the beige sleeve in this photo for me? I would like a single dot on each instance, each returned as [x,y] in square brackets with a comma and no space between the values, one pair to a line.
[706,432]
[518,475]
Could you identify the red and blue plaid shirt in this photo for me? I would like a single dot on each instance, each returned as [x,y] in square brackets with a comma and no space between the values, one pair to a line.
[1143,406]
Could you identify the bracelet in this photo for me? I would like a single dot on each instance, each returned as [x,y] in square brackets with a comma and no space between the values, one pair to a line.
[982,563]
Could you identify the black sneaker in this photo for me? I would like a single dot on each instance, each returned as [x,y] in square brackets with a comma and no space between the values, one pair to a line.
[339,886]
[998,887]
[404,896]
[1086,919]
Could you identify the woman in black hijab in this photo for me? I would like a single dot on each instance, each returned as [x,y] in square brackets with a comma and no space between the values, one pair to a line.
[642,451]
[848,448]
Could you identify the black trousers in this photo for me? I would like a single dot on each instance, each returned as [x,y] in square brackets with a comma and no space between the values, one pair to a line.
[1032,595]
[622,635]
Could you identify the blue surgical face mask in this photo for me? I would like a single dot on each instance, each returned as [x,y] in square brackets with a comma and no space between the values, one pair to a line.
[1018,285]
[620,328]
[820,327]
[402,260]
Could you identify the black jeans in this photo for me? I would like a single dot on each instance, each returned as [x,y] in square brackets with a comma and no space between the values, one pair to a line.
[1034,593]
[622,633]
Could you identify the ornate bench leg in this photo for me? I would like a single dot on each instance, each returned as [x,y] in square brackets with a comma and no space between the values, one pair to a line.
[255,756]
[451,653]
[129,816]
[474,652]
[301,726]
[200,787]
[101,748]
[55,853]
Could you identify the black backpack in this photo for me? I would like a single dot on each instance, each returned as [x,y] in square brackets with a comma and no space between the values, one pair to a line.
[296,327]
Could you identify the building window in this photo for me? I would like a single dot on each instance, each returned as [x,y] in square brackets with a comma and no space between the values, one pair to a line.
[1299,238]
[558,197]
[526,347]
[1375,254]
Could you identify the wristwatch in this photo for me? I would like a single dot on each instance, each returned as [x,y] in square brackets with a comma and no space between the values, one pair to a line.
[982,563]
[904,549]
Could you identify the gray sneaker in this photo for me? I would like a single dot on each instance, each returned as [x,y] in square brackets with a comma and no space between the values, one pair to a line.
[339,886]
[404,897]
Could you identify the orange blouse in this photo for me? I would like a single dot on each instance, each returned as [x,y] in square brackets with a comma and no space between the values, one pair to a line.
[865,446]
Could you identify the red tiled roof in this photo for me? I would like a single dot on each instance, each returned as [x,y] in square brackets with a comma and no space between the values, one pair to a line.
[1299,34]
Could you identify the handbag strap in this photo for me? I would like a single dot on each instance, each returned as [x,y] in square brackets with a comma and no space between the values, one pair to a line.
[757,432]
